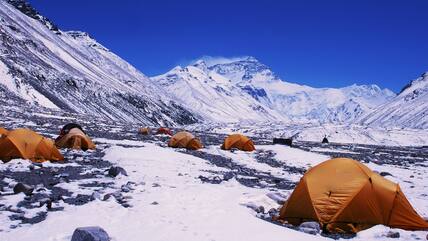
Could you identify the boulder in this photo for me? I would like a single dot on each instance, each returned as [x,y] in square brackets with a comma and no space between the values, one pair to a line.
[114,171]
[90,234]
[392,234]
[310,227]
[20,187]
[383,174]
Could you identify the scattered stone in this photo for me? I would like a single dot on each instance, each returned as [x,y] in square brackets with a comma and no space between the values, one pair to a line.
[114,171]
[90,234]
[260,209]
[46,201]
[308,231]
[227,176]
[273,212]
[383,174]
[310,228]
[26,189]
[392,234]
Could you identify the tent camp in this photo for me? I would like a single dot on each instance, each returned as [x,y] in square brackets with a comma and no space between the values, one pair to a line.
[144,131]
[27,144]
[3,131]
[186,140]
[238,141]
[164,131]
[344,195]
[74,138]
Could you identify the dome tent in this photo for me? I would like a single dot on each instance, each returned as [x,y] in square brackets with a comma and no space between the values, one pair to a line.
[164,131]
[186,140]
[3,131]
[144,131]
[344,195]
[27,144]
[238,141]
[72,136]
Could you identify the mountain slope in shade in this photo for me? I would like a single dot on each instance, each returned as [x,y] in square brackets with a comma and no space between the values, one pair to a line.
[71,71]
[247,82]
[408,109]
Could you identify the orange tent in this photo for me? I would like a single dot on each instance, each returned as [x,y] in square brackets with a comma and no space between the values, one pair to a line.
[3,131]
[164,130]
[144,131]
[75,139]
[186,140]
[27,144]
[238,141]
[344,195]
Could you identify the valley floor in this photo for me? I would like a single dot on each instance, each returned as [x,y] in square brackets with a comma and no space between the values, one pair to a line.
[173,194]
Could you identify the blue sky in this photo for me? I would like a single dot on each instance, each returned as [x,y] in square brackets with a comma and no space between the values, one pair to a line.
[318,43]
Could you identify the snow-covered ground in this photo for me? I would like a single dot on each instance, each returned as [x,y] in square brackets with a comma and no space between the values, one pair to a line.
[167,200]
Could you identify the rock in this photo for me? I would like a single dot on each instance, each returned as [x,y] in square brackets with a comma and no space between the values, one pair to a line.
[90,234]
[260,209]
[273,212]
[383,174]
[46,201]
[154,203]
[308,231]
[307,226]
[114,171]
[392,234]
[26,189]
[228,176]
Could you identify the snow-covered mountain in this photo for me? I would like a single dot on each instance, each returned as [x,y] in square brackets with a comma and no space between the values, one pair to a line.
[45,66]
[230,89]
[213,96]
[408,109]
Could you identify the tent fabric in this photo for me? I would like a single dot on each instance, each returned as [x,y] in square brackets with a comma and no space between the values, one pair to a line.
[27,144]
[144,131]
[186,140]
[3,131]
[344,195]
[75,139]
[164,131]
[238,141]
[65,129]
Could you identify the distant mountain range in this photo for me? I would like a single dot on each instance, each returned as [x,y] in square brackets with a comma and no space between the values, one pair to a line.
[245,89]
[45,66]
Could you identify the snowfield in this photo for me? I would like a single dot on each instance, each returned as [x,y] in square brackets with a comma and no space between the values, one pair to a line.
[168,201]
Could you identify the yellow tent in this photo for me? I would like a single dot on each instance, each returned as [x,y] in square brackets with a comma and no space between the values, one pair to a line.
[186,140]
[144,131]
[27,144]
[75,139]
[344,195]
[3,131]
[238,141]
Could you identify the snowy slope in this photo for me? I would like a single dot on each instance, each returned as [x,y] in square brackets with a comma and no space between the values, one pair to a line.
[301,102]
[231,88]
[408,109]
[71,71]
[213,96]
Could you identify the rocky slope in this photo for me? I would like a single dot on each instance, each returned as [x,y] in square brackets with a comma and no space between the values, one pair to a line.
[408,109]
[71,71]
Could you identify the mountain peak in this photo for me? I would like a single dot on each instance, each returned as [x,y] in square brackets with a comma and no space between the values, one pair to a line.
[421,82]
[26,8]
